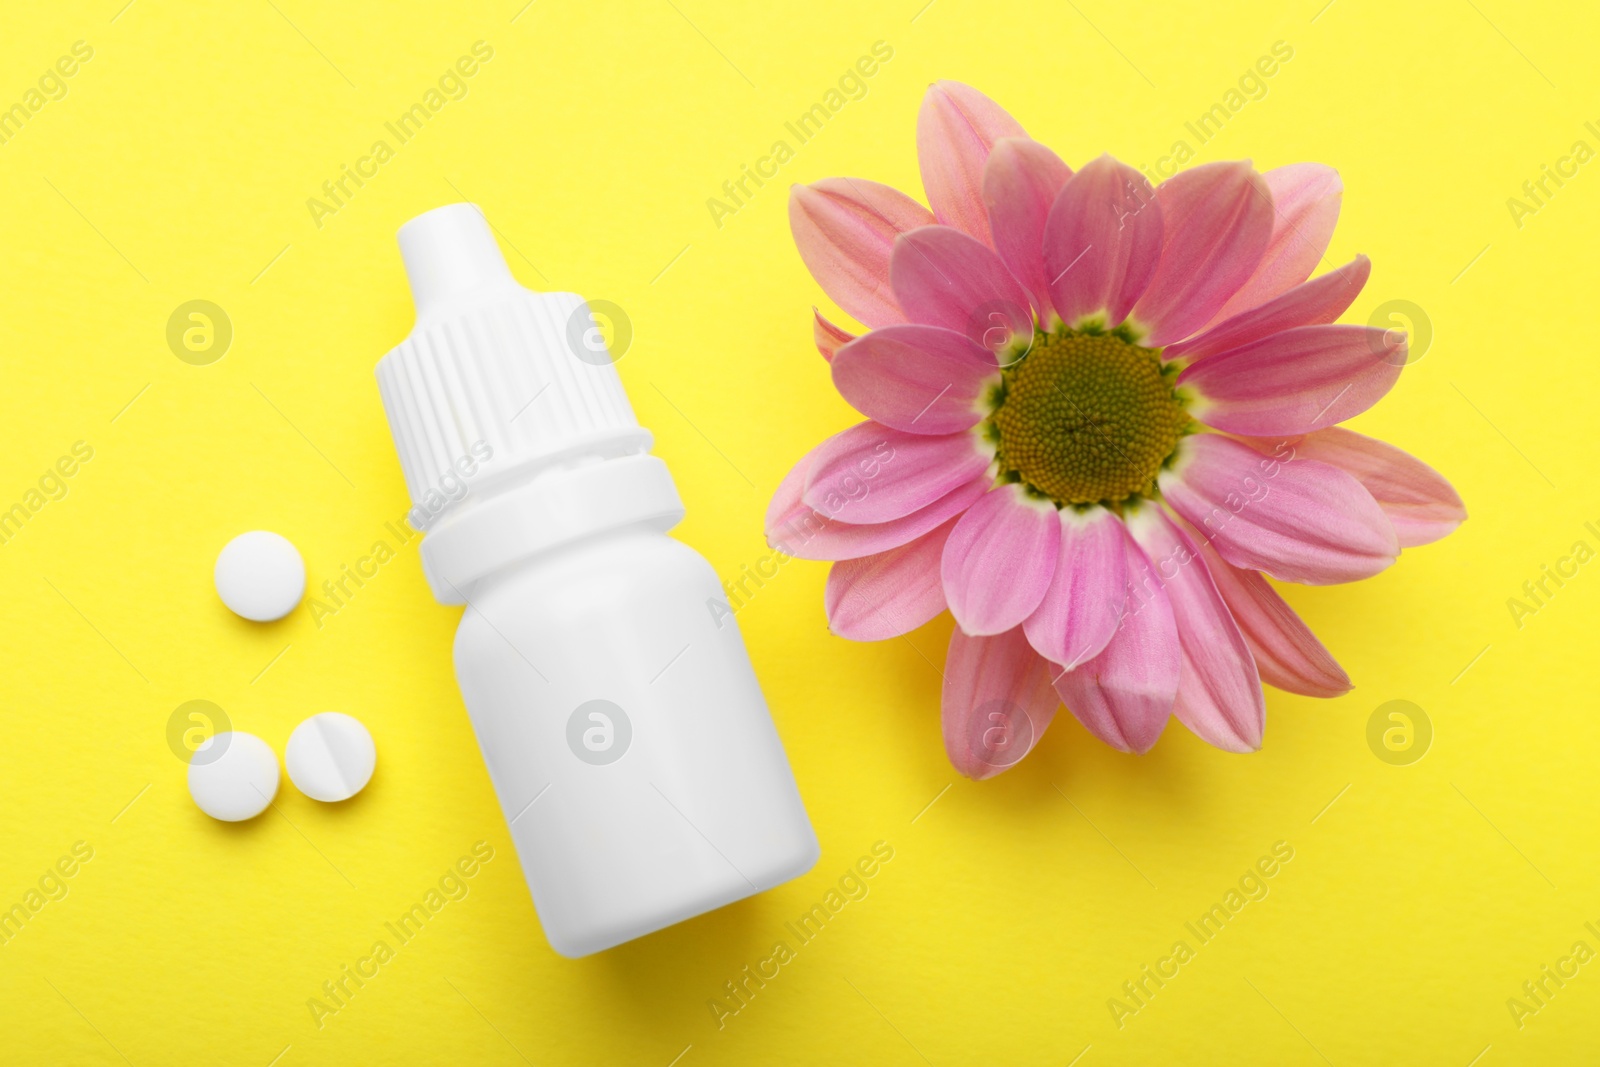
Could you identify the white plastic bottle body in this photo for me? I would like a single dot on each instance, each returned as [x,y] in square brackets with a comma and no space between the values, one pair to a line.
[626,736]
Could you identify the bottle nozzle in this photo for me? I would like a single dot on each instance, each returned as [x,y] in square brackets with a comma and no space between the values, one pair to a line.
[450,253]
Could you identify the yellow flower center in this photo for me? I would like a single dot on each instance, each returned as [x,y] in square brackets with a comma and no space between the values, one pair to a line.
[1088,417]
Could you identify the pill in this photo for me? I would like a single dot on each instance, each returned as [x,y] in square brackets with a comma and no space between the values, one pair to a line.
[330,757]
[260,576]
[233,776]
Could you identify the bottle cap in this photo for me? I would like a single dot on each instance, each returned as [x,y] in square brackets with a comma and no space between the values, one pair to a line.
[488,382]
[498,388]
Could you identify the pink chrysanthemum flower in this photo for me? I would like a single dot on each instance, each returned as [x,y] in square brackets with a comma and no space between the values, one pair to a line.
[1097,413]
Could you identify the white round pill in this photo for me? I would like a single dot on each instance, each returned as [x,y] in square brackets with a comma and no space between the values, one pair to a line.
[233,776]
[330,757]
[260,576]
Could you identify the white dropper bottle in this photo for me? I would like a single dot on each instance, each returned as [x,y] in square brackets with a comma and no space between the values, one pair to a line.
[633,755]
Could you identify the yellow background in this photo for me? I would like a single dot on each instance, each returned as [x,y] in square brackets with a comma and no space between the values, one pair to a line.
[178,166]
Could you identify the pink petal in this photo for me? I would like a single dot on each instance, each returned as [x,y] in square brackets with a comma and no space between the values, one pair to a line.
[787,496]
[844,229]
[921,379]
[1102,241]
[997,565]
[955,130]
[1286,652]
[888,594]
[1305,207]
[944,278]
[1219,693]
[1216,221]
[828,336]
[1420,504]
[1321,300]
[1125,694]
[1296,381]
[996,704]
[1020,183]
[1296,519]
[803,533]
[1084,603]
[874,473]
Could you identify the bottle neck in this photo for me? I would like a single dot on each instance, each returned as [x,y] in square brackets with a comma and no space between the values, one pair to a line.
[491,480]
[560,507]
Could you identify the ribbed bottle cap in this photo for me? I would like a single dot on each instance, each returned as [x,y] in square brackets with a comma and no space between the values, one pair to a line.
[491,379]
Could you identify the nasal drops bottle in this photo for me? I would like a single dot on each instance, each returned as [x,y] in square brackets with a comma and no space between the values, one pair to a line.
[638,769]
